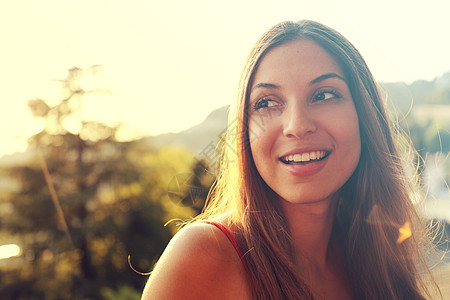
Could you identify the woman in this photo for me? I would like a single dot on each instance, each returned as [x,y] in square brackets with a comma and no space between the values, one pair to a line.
[311,193]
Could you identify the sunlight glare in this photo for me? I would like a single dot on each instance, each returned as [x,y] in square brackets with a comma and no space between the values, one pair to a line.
[8,251]
[404,232]
[379,217]
[92,82]
[72,124]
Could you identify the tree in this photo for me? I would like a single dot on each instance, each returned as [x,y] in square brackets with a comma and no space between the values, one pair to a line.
[191,189]
[85,203]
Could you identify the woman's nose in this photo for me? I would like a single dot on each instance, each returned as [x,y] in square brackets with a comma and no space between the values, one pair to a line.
[298,122]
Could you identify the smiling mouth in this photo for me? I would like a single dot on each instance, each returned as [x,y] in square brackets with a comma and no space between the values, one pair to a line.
[304,158]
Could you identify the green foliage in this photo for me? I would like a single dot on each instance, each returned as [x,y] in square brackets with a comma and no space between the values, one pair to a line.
[422,110]
[109,201]
[123,293]
[191,189]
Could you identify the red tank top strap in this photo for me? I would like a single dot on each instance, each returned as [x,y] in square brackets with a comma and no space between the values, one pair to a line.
[233,242]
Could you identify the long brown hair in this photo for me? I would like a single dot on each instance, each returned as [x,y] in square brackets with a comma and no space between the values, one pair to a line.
[374,202]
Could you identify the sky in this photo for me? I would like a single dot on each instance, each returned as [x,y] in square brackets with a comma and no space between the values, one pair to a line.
[169,63]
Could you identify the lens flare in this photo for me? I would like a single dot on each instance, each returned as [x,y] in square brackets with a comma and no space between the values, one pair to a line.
[404,232]
[378,216]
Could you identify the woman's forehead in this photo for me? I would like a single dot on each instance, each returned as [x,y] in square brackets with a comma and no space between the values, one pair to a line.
[300,59]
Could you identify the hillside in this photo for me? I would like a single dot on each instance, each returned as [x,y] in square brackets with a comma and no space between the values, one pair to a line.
[196,138]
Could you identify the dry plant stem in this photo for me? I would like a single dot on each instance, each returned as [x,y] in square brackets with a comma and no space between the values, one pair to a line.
[54,196]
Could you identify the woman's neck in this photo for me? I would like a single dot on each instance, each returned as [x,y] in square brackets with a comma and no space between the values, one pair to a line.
[311,227]
[317,249]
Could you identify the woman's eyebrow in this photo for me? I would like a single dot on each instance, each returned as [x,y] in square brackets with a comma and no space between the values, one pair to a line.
[325,77]
[314,81]
[264,85]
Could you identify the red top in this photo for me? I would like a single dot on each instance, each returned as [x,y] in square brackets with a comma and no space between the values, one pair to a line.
[233,241]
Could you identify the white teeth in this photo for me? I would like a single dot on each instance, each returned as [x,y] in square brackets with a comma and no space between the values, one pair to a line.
[304,157]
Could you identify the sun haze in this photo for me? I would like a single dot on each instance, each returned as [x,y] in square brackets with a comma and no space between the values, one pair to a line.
[168,64]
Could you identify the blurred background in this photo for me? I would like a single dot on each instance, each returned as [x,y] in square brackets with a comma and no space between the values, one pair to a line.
[110,112]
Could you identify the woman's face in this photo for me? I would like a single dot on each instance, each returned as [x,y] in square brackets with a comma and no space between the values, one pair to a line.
[303,126]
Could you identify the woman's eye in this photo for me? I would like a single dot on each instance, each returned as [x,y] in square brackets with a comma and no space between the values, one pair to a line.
[326,96]
[264,103]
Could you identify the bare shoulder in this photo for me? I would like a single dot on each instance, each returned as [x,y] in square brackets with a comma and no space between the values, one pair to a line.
[199,263]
